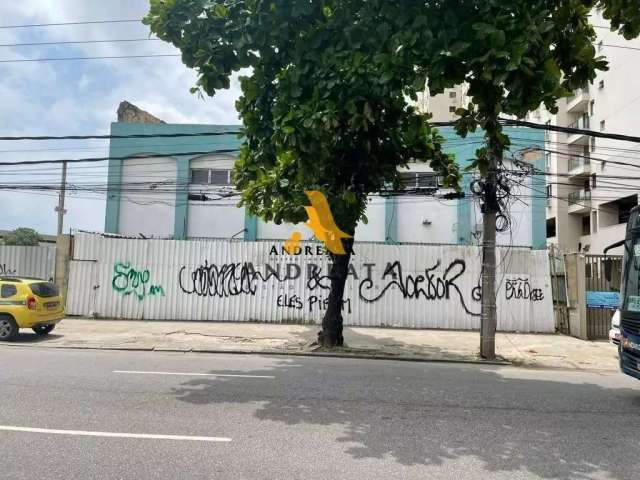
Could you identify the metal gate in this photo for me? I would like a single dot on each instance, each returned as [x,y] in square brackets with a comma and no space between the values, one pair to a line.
[599,313]
[559,291]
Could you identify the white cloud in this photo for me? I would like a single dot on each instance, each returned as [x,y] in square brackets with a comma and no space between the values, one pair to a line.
[82,97]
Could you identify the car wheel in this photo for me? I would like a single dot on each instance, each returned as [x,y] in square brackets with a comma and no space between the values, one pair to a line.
[8,328]
[43,329]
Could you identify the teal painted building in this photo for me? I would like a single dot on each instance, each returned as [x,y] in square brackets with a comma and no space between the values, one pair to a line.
[183,192]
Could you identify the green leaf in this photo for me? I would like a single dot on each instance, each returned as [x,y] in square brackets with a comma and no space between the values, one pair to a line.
[220,11]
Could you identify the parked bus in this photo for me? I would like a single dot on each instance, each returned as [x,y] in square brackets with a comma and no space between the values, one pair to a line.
[629,347]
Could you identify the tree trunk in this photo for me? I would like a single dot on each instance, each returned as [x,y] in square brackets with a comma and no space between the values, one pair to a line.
[488,319]
[331,333]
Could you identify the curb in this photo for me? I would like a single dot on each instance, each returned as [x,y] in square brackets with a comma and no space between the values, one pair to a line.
[357,356]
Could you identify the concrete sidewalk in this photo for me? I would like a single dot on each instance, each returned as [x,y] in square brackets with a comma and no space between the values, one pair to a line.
[547,351]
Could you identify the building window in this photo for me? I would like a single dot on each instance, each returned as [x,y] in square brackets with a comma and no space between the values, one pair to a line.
[452,109]
[600,45]
[418,180]
[594,221]
[586,225]
[547,160]
[205,176]
[452,94]
[593,144]
[601,84]
[592,105]
[602,125]
[549,191]
[551,227]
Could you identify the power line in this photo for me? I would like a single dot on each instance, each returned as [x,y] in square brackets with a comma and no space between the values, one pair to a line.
[556,128]
[73,42]
[110,57]
[88,22]
[505,121]
[108,137]
[620,46]
[103,159]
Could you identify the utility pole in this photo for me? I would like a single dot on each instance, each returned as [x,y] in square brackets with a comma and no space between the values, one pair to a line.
[488,317]
[62,242]
[60,208]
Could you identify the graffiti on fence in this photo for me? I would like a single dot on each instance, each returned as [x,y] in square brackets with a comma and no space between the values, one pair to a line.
[127,280]
[521,289]
[6,269]
[428,286]
[232,279]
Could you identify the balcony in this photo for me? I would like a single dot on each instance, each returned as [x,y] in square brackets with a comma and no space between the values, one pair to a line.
[579,166]
[580,201]
[581,123]
[579,102]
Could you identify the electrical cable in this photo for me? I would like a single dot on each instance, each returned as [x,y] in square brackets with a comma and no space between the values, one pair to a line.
[87,22]
[79,42]
[105,57]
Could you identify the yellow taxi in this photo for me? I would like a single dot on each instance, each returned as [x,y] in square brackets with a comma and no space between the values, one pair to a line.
[28,303]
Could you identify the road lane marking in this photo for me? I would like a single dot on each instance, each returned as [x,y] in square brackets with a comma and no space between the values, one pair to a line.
[187,374]
[113,434]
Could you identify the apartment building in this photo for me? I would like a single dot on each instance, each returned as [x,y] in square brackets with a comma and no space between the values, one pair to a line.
[444,105]
[589,195]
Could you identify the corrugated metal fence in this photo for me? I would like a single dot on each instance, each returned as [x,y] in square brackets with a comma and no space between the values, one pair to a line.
[36,262]
[413,286]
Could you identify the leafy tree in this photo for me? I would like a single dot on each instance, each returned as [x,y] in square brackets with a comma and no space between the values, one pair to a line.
[323,105]
[25,237]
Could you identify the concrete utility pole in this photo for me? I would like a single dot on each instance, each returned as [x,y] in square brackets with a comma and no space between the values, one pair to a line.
[62,241]
[60,208]
[488,318]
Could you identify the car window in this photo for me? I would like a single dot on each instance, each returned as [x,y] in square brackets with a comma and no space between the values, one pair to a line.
[44,289]
[7,291]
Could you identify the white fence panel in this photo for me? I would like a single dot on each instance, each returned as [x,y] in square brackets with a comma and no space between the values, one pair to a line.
[38,262]
[409,286]
[82,288]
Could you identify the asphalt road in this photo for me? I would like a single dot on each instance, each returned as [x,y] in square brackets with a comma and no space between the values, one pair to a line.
[68,414]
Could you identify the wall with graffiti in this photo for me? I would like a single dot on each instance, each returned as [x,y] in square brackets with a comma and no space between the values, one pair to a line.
[412,286]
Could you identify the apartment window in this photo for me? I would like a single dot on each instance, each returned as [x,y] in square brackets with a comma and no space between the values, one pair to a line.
[592,105]
[601,84]
[452,109]
[549,191]
[551,227]
[594,221]
[602,125]
[547,160]
[452,94]
[593,144]
[415,180]
[600,45]
[205,176]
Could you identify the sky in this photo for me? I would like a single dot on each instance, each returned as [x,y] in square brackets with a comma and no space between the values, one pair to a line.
[82,97]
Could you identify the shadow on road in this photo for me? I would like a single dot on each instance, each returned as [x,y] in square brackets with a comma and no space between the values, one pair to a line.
[27,336]
[415,414]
